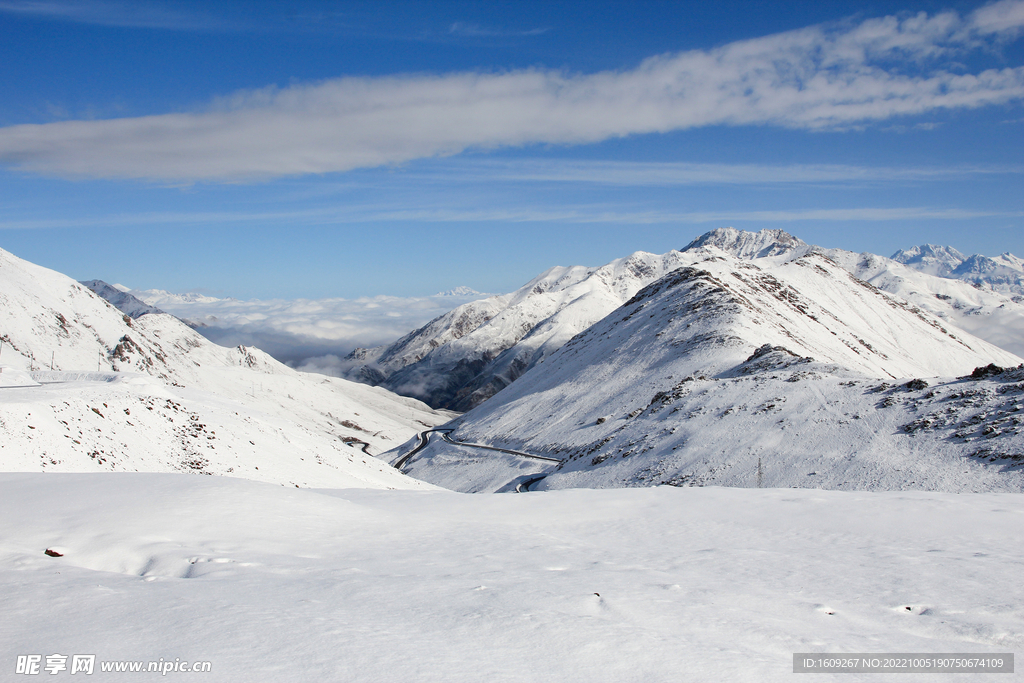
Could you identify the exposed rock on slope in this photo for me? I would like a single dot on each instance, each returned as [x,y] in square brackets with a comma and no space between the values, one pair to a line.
[748,245]
[935,279]
[462,358]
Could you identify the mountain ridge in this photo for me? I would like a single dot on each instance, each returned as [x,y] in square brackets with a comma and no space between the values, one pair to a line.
[462,358]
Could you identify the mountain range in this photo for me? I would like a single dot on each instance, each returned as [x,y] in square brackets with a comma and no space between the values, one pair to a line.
[1004,273]
[774,368]
[462,358]
[742,359]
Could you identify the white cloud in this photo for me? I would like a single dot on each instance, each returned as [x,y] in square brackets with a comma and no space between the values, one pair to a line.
[309,333]
[1004,17]
[814,78]
[460,28]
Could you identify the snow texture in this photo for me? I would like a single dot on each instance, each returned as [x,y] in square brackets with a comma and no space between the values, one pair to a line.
[658,585]
[1003,273]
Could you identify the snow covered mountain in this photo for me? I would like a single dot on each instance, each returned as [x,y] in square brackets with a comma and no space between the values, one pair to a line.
[464,357]
[1003,273]
[784,370]
[128,304]
[748,245]
[160,297]
[933,278]
[460,291]
[84,387]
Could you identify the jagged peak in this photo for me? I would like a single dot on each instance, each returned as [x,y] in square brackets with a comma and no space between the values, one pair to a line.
[929,251]
[461,290]
[748,245]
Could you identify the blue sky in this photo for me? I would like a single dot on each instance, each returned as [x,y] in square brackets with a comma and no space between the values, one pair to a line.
[315,149]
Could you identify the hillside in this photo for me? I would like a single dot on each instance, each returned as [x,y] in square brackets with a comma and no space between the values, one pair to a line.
[459,360]
[94,390]
[727,362]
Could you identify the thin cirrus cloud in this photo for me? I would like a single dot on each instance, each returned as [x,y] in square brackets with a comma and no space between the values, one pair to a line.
[632,173]
[135,14]
[588,214]
[820,77]
[476,31]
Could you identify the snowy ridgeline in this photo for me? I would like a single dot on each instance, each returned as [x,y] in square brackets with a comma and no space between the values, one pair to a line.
[746,373]
[657,585]
[150,394]
[464,357]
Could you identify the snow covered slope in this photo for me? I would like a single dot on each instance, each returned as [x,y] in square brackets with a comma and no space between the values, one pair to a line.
[151,394]
[466,356]
[728,361]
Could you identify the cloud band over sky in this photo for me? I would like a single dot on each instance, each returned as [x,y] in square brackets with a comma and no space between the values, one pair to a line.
[814,78]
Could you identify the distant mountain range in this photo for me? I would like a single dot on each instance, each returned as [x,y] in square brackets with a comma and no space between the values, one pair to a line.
[1004,273]
[464,357]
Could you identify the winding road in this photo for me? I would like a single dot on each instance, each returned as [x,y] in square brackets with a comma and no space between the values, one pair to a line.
[424,439]
[363,449]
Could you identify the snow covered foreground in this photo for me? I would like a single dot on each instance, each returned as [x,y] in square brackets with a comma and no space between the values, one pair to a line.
[270,583]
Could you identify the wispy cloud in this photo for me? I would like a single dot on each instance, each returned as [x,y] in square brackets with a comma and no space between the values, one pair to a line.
[476,31]
[821,77]
[627,173]
[134,14]
[351,214]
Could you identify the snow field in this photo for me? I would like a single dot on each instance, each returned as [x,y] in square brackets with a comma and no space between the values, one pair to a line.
[654,584]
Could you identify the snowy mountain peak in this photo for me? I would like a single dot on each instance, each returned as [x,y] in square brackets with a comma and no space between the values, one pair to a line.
[1003,273]
[120,298]
[748,245]
[160,297]
[461,290]
[930,258]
